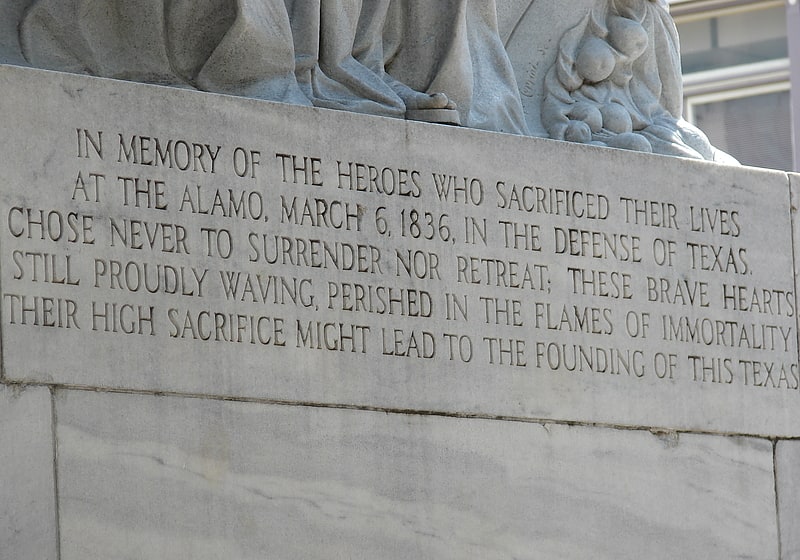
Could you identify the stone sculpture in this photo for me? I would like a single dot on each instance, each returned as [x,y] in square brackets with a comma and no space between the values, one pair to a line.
[238,46]
[453,46]
[340,63]
[602,72]
[617,82]
[329,53]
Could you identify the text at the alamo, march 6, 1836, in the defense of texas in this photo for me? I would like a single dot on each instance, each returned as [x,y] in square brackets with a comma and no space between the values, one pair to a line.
[296,254]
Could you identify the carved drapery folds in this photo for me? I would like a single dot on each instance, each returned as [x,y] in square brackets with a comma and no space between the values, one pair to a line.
[617,82]
[616,79]
[441,62]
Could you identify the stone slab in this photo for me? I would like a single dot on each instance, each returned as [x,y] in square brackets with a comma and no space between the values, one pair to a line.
[27,492]
[171,477]
[787,468]
[313,256]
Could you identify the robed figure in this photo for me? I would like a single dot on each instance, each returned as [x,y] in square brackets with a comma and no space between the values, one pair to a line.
[442,61]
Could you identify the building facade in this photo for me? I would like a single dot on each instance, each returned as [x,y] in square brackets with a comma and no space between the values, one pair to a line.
[737,61]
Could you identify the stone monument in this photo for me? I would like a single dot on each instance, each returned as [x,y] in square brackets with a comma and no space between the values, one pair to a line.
[611,78]
[236,323]
[609,75]
[341,54]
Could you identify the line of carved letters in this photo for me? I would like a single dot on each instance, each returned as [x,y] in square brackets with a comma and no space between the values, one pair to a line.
[197,243]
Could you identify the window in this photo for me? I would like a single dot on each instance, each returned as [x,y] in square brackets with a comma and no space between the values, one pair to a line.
[737,77]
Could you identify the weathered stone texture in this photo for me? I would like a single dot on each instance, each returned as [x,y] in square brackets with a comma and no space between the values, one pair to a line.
[27,491]
[165,477]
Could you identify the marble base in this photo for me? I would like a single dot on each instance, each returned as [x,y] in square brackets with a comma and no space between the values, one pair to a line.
[293,254]
[161,477]
[164,425]
[27,490]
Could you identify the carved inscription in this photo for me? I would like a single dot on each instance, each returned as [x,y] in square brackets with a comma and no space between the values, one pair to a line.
[187,241]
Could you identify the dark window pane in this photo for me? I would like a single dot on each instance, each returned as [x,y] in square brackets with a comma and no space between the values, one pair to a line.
[755,130]
[746,38]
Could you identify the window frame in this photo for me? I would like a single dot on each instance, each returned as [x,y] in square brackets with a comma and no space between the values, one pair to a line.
[739,81]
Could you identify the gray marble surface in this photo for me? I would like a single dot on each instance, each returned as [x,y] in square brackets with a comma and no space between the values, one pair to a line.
[787,453]
[165,477]
[794,196]
[186,476]
[787,467]
[556,295]
[27,491]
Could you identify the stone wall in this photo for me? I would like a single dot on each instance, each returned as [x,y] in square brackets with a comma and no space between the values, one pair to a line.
[238,329]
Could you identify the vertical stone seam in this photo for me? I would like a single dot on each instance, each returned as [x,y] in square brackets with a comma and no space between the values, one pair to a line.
[2,325]
[793,225]
[57,500]
[793,210]
[777,500]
